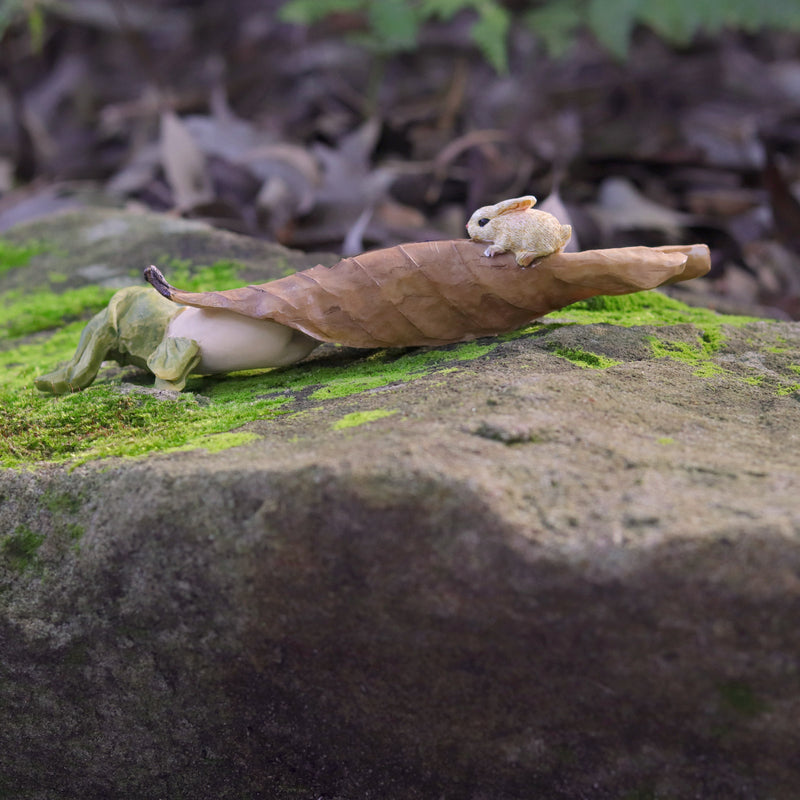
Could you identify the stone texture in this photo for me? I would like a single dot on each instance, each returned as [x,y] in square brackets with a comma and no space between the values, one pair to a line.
[111,248]
[532,580]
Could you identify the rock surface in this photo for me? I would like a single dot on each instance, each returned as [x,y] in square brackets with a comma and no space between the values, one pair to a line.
[511,577]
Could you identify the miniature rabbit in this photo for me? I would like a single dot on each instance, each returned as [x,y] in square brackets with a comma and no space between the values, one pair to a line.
[513,226]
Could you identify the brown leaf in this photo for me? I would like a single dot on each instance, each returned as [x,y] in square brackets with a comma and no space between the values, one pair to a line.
[184,164]
[553,204]
[622,207]
[434,293]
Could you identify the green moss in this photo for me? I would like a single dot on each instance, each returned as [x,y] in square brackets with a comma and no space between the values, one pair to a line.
[215,442]
[61,502]
[220,275]
[75,531]
[322,380]
[361,417]
[384,370]
[708,370]
[787,389]
[697,354]
[28,312]
[583,358]
[19,365]
[19,549]
[101,421]
[678,351]
[653,308]
[25,312]
[644,308]
[17,255]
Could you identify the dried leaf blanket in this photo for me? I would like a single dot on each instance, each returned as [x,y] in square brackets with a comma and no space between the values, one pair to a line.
[434,293]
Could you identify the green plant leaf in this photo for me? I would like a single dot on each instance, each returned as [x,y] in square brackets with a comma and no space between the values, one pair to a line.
[754,15]
[555,25]
[490,34]
[36,28]
[445,9]
[307,12]
[9,11]
[612,21]
[676,22]
[394,23]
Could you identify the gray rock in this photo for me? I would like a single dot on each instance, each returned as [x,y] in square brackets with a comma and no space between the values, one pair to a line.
[533,580]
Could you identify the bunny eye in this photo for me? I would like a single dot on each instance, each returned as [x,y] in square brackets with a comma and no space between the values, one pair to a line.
[483,221]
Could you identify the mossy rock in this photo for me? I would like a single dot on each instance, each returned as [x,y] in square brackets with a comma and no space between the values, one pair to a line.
[560,563]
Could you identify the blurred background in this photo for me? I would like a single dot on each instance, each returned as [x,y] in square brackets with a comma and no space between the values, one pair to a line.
[345,125]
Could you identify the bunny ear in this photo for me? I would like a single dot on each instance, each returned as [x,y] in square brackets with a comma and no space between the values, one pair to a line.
[515,204]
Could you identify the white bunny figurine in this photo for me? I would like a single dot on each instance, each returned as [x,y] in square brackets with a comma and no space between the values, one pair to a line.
[513,226]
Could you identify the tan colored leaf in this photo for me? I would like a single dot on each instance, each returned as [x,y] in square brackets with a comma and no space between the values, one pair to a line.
[433,293]
[622,207]
[553,204]
[184,164]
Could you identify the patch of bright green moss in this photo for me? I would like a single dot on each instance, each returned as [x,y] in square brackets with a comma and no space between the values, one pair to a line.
[787,389]
[17,255]
[19,365]
[644,308]
[24,313]
[378,372]
[325,381]
[215,442]
[101,421]
[19,549]
[708,369]
[583,358]
[361,417]
[697,354]
[219,276]
[656,309]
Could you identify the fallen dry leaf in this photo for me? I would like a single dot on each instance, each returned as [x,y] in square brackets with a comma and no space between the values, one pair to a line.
[622,207]
[434,293]
[184,164]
